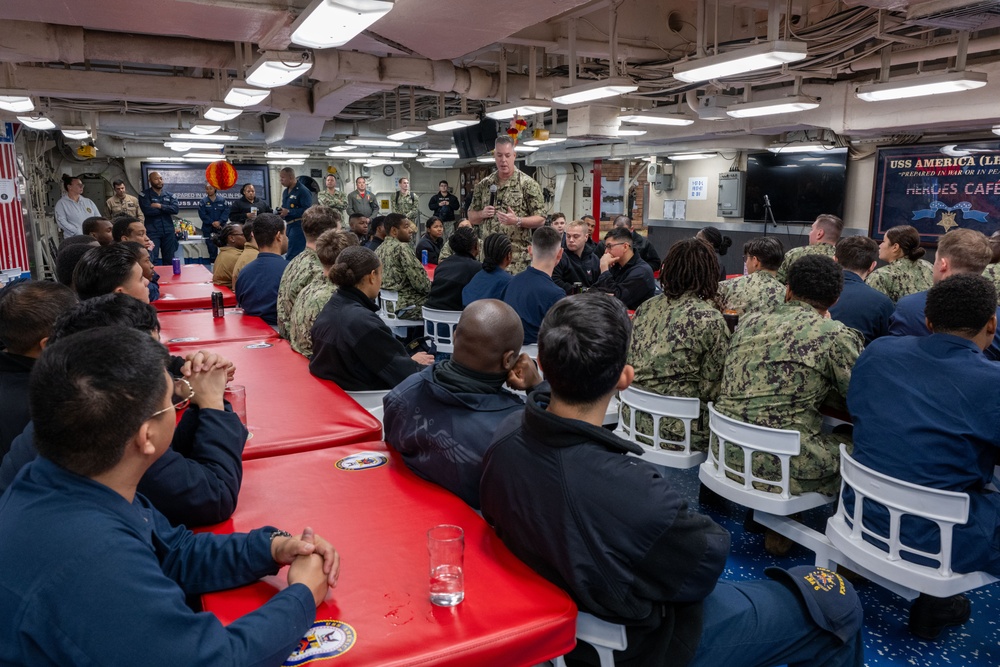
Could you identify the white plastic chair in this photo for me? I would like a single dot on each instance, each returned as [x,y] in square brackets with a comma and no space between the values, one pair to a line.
[770,509]
[531,350]
[846,531]
[439,325]
[388,311]
[605,637]
[370,400]
[660,407]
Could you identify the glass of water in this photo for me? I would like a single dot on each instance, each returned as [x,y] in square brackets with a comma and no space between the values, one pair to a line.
[446,548]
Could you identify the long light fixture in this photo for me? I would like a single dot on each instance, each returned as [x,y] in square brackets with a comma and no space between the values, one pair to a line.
[184,146]
[278,68]
[595,90]
[75,133]
[803,147]
[395,154]
[37,122]
[339,149]
[455,122]
[740,61]
[242,95]
[485,158]
[551,141]
[630,131]
[214,138]
[327,23]
[428,159]
[523,148]
[350,154]
[221,114]
[790,104]
[407,132]
[380,143]
[996,129]
[527,107]
[211,157]
[452,150]
[287,163]
[204,128]
[919,85]
[16,101]
[286,155]
[652,118]
[691,156]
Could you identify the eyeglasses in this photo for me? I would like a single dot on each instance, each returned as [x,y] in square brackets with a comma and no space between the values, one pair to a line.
[183,403]
[613,245]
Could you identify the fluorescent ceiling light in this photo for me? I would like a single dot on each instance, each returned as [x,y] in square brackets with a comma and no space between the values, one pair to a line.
[520,108]
[770,107]
[339,149]
[352,154]
[395,154]
[379,163]
[408,132]
[595,90]
[184,146]
[691,156]
[802,147]
[631,132]
[285,155]
[206,156]
[360,160]
[545,142]
[76,133]
[996,129]
[740,61]
[287,162]
[427,159]
[278,68]
[651,118]
[199,159]
[241,95]
[327,23]
[521,148]
[37,122]
[16,101]
[455,122]
[919,85]
[165,159]
[205,128]
[380,143]
[485,158]
[221,114]
[452,150]
[214,138]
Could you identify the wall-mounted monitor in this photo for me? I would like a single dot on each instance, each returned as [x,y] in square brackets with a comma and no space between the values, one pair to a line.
[800,186]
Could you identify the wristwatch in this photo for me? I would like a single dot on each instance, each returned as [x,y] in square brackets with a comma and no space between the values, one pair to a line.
[280,533]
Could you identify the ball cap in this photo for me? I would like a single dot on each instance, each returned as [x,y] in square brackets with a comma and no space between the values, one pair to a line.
[831,600]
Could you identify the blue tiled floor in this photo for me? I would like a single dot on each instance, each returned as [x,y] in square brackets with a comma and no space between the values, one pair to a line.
[887,641]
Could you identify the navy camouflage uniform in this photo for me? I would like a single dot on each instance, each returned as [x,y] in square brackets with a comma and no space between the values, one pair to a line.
[523,195]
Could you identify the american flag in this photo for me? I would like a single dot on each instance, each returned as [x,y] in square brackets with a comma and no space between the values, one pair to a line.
[13,245]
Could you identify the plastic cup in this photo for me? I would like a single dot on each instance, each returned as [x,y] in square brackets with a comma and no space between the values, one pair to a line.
[446,548]
[236,394]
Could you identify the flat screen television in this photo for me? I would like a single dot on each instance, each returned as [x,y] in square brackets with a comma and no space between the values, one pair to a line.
[800,186]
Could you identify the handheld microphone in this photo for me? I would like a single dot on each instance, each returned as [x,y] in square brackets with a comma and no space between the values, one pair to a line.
[767,201]
[493,195]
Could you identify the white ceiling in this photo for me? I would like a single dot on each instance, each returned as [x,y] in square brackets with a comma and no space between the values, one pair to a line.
[137,70]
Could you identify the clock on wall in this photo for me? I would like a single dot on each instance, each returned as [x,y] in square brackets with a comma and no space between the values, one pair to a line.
[388,170]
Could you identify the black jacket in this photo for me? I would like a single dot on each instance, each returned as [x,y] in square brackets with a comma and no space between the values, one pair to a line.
[354,348]
[632,283]
[240,208]
[615,535]
[197,480]
[14,414]
[443,206]
[584,269]
[450,278]
[432,247]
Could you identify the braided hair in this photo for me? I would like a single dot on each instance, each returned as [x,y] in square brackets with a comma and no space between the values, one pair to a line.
[690,266]
[463,241]
[496,248]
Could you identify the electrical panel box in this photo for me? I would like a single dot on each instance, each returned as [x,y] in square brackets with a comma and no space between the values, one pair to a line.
[731,186]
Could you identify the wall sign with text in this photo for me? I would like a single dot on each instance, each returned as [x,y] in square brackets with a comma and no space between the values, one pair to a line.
[186,182]
[936,188]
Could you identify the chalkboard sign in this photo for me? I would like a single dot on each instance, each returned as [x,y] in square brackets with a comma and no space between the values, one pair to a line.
[936,188]
[186,182]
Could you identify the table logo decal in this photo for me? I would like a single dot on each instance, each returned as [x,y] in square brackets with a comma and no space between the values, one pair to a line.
[183,340]
[362,461]
[257,346]
[324,640]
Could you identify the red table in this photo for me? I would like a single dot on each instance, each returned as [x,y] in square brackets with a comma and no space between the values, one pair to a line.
[429,268]
[289,410]
[377,519]
[198,326]
[185,296]
[190,274]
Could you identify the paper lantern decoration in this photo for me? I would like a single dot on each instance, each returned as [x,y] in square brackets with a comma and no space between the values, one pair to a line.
[221,175]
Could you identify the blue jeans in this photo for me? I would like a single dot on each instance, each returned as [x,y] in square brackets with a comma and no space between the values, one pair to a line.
[763,623]
[296,239]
